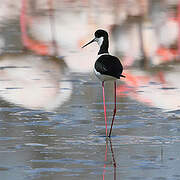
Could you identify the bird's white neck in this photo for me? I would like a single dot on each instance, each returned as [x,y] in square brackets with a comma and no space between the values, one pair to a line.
[100,41]
[103,43]
[99,55]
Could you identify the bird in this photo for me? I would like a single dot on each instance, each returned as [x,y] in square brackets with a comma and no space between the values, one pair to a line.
[107,68]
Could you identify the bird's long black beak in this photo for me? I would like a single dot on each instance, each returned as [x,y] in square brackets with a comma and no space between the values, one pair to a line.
[89,43]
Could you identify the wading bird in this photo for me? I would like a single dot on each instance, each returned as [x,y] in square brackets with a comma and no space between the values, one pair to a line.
[107,67]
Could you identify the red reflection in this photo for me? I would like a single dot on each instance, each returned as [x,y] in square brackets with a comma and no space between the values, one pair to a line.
[105,159]
[113,159]
[133,82]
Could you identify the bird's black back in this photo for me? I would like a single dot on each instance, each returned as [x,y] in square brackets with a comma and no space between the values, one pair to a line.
[109,65]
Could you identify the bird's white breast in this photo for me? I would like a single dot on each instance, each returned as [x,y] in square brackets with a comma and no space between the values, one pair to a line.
[103,77]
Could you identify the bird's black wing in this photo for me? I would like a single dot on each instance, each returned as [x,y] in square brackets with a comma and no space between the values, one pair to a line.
[109,65]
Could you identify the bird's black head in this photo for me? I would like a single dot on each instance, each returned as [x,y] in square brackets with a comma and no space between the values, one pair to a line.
[100,33]
[101,37]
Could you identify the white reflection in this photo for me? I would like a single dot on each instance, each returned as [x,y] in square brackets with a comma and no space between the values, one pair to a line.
[33,82]
[166,94]
[159,89]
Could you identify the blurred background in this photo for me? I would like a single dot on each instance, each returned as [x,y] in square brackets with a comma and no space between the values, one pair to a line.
[144,32]
[51,111]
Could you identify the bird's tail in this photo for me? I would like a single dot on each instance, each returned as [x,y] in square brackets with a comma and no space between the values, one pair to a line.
[122,76]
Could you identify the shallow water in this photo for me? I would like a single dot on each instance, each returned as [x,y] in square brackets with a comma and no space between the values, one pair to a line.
[69,142]
[51,110]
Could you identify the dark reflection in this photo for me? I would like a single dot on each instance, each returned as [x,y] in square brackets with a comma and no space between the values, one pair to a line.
[162,153]
[10,37]
[34,82]
[113,159]
[109,144]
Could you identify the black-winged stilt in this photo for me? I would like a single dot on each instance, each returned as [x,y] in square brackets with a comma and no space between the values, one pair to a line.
[107,67]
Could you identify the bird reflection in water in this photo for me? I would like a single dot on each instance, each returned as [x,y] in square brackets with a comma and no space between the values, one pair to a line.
[113,159]
[34,82]
[155,88]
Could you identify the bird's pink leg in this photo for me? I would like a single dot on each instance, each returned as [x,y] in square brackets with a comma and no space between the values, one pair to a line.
[114,109]
[104,107]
